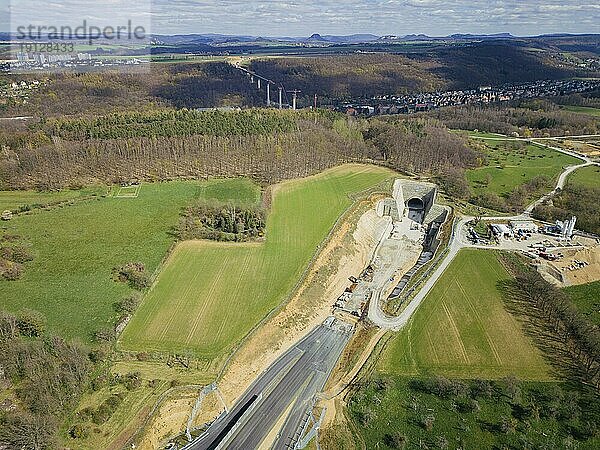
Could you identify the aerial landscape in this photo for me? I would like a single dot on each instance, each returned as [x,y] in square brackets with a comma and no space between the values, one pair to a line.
[362,224]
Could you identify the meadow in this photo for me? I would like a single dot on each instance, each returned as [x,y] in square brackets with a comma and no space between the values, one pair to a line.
[583,110]
[13,200]
[586,298]
[588,177]
[462,329]
[210,295]
[464,374]
[511,164]
[76,246]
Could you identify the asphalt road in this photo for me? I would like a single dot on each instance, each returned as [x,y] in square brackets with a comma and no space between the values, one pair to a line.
[294,379]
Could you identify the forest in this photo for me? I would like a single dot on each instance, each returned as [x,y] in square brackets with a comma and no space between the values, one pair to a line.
[419,145]
[266,158]
[529,118]
[265,146]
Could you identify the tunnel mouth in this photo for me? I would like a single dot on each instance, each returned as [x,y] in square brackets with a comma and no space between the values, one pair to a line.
[415,204]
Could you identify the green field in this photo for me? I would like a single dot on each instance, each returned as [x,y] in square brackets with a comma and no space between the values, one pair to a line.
[76,246]
[13,200]
[586,298]
[583,110]
[209,295]
[588,177]
[510,166]
[463,330]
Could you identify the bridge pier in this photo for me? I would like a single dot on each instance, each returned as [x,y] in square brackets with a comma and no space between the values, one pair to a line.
[268,94]
[280,97]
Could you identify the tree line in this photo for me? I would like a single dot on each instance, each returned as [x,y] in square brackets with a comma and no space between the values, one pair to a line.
[579,336]
[169,123]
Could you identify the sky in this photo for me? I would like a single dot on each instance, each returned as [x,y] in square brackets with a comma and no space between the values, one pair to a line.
[305,17]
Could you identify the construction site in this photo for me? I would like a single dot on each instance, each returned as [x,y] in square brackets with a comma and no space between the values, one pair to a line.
[407,227]
[562,255]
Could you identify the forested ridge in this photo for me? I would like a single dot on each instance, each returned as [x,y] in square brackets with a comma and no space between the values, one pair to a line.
[169,123]
[268,146]
[335,78]
[189,85]
[491,63]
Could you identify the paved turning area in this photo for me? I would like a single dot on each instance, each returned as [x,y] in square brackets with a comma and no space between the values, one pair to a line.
[287,388]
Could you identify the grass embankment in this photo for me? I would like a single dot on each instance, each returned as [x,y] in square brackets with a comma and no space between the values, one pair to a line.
[210,294]
[512,164]
[75,248]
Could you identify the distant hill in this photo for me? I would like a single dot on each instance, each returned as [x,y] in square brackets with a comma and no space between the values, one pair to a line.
[482,36]
[325,39]
[181,43]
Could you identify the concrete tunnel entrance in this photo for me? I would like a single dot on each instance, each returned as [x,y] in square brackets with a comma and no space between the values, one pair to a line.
[416,209]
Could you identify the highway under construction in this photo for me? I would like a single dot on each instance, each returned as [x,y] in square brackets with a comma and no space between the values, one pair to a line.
[277,410]
[286,390]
